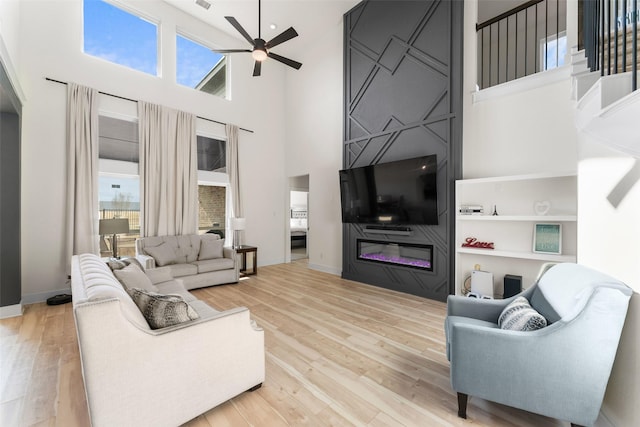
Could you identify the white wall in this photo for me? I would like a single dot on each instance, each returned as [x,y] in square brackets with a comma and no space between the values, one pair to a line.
[608,239]
[9,34]
[517,128]
[50,37]
[314,143]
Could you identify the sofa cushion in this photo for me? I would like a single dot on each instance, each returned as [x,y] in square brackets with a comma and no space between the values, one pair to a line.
[520,316]
[161,310]
[180,270]
[159,275]
[132,277]
[175,287]
[210,249]
[214,265]
[164,254]
[203,309]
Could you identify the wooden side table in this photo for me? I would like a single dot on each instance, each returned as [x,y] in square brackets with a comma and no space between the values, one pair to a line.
[243,250]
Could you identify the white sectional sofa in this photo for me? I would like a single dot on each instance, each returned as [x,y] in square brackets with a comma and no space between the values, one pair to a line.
[197,260]
[138,376]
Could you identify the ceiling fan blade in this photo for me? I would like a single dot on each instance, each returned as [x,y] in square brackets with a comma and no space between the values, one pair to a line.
[238,27]
[257,68]
[286,61]
[230,50]
[282,37]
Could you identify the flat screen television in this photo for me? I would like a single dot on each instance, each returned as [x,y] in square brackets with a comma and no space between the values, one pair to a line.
[403,192]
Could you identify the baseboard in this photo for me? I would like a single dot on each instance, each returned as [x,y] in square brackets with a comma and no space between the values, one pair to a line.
[11,311]
[603,421]
[325,269]
[42,297]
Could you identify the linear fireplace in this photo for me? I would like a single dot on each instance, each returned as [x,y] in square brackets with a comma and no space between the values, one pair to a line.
[404,254]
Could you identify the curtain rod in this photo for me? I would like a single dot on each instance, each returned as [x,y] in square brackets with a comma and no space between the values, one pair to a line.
[134,100]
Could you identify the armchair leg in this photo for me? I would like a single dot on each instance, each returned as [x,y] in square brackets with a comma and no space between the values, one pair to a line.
[462,405]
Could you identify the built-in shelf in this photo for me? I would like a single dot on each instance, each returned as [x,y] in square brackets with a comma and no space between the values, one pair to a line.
[521,255]
[517,200]
[530,218]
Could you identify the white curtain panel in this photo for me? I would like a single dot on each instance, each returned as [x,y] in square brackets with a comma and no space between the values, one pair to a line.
[82,170]
[233,169]
[168,171]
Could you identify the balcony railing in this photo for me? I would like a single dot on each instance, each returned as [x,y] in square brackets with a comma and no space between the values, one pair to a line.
[522,41]
[610,36]
[132,215]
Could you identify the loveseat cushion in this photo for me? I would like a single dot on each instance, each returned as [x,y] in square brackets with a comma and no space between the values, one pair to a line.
[180,270]
[164,254]
[160,310]
[133,277]
[210,249]
[214,265]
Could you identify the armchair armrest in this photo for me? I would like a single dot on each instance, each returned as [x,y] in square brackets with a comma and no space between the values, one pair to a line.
[146,261]
[482,309]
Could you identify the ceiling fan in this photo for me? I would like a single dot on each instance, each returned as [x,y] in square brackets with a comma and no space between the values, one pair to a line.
[262,49]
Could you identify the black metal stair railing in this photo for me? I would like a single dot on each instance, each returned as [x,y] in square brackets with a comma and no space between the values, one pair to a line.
[610,36]
[522,41]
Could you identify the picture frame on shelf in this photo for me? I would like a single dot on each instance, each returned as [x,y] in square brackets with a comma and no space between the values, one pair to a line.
[547,238]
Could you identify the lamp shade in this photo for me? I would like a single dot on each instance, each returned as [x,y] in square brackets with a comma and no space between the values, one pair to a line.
[113,226]
[238,223]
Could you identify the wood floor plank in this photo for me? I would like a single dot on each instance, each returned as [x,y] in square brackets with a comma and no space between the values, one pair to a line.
[337,353]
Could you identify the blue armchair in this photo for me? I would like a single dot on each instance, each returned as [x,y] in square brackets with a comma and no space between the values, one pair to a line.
[561,370]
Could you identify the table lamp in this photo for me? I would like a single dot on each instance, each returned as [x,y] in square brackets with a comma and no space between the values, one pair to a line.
[114,227]
[237,224]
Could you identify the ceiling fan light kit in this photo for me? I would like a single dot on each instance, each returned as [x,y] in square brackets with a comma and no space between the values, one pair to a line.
[261,48]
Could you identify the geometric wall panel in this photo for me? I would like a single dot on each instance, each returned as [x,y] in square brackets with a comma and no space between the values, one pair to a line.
[403,92]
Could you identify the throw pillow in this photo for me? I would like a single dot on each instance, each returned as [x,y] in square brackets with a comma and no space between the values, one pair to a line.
[160,310]
[210,249]
[163,254]
[520,316]
[133,277]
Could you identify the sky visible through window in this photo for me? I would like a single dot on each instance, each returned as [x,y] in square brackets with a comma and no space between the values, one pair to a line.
[120,37]
[193,61]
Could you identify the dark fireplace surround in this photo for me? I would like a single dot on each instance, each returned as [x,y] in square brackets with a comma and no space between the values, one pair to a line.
[403,99]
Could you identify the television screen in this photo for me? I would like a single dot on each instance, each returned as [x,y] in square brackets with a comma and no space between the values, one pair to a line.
[396,193]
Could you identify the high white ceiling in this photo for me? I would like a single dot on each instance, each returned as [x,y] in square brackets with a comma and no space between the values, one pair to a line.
[310,18]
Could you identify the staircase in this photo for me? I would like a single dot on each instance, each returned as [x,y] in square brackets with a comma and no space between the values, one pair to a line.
[606,107]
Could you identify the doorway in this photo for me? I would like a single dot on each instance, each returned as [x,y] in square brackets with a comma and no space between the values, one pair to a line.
[298,218]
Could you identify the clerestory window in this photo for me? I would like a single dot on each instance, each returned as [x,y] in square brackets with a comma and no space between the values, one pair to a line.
[118,36]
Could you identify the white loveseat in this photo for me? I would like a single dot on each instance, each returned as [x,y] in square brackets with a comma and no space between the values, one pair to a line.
[198,260]
[137,376]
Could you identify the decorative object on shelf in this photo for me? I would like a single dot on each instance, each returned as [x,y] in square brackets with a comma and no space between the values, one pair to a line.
[471,210]
[237,225]
[547,239]
[542,207]
[472,242]
[114,227]
[495,211]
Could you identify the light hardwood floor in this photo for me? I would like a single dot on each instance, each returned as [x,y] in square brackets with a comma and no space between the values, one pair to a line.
[338,353]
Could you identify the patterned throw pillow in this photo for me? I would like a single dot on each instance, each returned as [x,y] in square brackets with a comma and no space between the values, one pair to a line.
[119,264]
[520,316]
[162,310]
